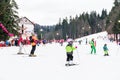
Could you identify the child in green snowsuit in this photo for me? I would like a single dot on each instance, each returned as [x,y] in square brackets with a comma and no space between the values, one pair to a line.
[105,50]
[93,46]
[69,51]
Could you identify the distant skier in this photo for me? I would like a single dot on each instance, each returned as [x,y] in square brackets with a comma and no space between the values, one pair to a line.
[105,48]
[86,41]
[80,41]
[61,42]
[44,41]
[33,40]
[7,43]
[93,46]
[69,51]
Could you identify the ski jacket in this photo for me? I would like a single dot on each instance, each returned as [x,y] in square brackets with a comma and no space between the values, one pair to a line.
[34,40]
[20,40]
[105,48]
[69,48]
[92,43]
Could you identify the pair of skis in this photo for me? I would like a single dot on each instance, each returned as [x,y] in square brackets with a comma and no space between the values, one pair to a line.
[71,64]
[27,54]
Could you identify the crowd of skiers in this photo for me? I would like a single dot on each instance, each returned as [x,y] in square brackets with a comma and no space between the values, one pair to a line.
[70,48]
[33,41]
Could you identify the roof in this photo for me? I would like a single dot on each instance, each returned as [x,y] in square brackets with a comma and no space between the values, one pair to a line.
[25,20]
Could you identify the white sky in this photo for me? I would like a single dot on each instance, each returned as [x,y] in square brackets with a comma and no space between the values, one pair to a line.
[48,12]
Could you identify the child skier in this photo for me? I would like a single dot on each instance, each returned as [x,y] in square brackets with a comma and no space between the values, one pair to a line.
[105,50]
[69,51]
[93,46]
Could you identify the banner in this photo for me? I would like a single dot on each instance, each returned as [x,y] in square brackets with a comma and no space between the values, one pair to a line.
[5,30]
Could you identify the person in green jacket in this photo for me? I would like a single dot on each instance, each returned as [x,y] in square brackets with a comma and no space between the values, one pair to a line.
[69,51]
[93,46]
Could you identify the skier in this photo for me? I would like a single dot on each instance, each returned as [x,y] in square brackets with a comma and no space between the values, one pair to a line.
[80,41]
[33,40]
[61,42]
[69,51]
[20,43]
[105,50]
[86,41]
[44,41]
[93,46]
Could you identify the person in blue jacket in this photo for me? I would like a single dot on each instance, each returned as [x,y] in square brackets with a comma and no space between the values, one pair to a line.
[105,48]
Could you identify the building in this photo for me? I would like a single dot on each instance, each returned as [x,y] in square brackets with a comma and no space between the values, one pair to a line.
[26,26]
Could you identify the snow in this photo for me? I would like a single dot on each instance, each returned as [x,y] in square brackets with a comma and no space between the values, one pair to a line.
[51,58]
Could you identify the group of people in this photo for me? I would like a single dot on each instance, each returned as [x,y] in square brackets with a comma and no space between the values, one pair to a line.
[93,47]
[33,41]
[70,48]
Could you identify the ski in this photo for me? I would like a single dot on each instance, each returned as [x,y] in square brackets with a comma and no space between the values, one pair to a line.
[32,55]
[29,56]
[71,64]
[20,53]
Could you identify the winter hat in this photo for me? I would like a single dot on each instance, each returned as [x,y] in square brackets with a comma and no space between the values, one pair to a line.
[69,40]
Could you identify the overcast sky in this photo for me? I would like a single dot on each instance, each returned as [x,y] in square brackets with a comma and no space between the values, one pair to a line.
[48,12]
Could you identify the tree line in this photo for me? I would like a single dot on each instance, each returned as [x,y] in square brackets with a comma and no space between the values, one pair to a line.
[86,24]
[74,27]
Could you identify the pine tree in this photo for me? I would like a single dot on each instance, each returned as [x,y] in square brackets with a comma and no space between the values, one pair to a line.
[8,16]
[64,28]
[116,3]
[116,27]
[104,14]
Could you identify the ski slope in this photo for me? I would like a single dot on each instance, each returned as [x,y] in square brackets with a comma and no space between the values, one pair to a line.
[51,58]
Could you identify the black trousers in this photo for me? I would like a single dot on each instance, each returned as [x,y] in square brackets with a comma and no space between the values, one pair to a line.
[70,56]
[33,49]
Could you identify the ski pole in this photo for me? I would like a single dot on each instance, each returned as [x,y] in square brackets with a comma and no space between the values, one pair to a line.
[78,55]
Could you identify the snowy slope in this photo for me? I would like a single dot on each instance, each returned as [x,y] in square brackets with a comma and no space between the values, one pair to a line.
[50,63]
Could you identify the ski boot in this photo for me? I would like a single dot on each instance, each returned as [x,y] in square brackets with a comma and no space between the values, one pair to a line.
[32,55]
[67,64]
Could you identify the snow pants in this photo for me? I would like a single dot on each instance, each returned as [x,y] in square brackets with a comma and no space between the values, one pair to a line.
[105,52]
[93,49]
[69,56]
[33,49]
